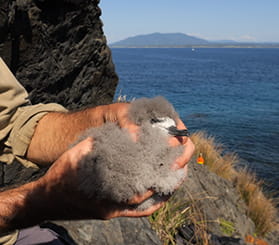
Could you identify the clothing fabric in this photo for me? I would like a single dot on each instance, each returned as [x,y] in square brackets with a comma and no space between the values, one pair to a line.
[18,120]
[9,239]
[37,235]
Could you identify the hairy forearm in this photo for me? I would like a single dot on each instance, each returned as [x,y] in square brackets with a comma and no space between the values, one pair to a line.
[49,198]
[22,206]
[56,131]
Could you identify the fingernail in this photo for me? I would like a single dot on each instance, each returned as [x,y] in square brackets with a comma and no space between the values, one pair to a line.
[175,166]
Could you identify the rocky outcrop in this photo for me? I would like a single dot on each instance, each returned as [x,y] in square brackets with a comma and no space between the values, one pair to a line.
[58,51]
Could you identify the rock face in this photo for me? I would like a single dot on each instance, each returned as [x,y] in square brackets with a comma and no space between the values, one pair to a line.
[219,200]
[118,231]
[58,51]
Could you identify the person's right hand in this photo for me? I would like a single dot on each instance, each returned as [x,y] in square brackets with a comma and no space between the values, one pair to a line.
[118,113]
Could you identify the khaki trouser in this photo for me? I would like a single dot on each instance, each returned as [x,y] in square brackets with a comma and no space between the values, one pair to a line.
[18,120]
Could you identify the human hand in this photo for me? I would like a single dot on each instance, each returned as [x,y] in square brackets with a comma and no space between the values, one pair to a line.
[189,147]
[118,113]
[65,201]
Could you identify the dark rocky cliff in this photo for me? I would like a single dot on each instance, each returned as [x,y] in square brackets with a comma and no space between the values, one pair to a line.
[58,51]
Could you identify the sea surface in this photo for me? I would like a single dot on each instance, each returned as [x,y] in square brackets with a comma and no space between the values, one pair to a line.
[232,94]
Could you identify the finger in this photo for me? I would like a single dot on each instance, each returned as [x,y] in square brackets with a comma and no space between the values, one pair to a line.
[177,140]
[139,198]
[179,124]
[141,213]
[124,122]
[81,149]
[183,159]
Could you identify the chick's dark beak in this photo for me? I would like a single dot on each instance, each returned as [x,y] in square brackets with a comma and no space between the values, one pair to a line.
[176,132]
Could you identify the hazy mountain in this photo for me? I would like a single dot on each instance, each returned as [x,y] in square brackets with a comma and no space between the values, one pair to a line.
[160,40]
[184,40]
[224,41]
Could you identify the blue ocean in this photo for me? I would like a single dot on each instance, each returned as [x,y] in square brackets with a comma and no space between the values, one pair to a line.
[232,94]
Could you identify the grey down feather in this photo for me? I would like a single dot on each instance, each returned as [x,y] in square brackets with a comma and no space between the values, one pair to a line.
[118,167]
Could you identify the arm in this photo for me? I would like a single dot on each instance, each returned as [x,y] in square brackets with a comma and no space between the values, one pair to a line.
[56,131]
[55,196]
[13,208]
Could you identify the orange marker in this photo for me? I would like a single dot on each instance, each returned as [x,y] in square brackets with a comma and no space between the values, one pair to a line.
[200,159]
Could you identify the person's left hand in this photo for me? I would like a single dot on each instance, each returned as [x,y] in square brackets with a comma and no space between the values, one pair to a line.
[189,146]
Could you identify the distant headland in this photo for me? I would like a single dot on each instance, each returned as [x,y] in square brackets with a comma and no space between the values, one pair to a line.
[180,40]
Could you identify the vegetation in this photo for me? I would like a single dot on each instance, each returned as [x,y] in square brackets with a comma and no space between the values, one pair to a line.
[222,165]
[261,209]
[168,219]
[177,213]
[227,227]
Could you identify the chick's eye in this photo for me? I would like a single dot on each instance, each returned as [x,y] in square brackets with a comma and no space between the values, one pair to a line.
[155,120]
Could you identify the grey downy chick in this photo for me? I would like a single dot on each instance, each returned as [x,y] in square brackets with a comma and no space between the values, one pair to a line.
[118,167]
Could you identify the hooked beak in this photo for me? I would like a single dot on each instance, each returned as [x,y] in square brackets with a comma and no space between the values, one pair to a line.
[176,132]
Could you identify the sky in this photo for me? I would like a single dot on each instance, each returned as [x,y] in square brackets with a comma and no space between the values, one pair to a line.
[239,20]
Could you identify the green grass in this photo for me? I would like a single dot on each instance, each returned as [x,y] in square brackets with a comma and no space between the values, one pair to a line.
[226,227]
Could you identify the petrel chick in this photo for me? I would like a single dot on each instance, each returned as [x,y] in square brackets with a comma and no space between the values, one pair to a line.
[118,168]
